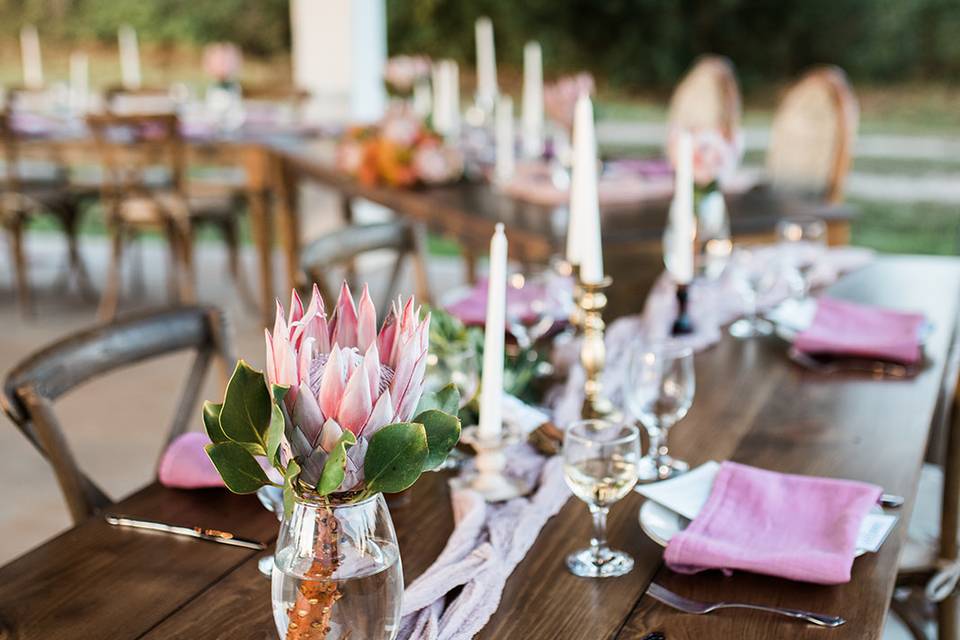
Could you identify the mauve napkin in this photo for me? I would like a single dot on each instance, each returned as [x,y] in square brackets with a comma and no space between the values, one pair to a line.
[186,465]
[795,527]
[850,329]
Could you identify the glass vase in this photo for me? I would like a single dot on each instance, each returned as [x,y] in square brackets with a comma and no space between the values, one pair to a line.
[713,243]
[337,571]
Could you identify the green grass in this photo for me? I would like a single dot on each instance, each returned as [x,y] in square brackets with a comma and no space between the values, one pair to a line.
[928,228]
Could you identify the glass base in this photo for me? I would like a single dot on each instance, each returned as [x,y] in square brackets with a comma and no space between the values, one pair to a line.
[611,563]
[651,470]
[744,328]
[265,566]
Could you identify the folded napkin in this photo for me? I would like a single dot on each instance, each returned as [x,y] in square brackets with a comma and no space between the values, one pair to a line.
[186,465]
[522,303]
[795,527]
[850,329]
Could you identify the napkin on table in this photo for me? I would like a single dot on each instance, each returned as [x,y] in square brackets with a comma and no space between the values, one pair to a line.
[849,329]
[796,527]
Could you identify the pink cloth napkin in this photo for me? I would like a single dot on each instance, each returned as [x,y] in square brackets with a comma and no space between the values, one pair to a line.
[186,465]
[472,308]
[795,527]
[850,329]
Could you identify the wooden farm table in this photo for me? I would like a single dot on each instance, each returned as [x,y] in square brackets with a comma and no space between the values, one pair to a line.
[468,211]
[752,406]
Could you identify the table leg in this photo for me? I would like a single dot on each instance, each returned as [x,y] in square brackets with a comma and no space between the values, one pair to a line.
[346,212]
[286,187]
[263,240]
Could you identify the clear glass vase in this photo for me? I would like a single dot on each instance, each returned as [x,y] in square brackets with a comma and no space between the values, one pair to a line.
[337,572]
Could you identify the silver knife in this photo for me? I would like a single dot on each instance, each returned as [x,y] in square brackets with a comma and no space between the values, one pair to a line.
[211,535]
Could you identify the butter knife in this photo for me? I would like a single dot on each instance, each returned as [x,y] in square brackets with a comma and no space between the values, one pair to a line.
[211,535]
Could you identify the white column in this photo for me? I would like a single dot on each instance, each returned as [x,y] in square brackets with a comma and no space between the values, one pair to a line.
[339,51]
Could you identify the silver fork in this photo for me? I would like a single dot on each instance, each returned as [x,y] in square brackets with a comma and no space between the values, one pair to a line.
[686,605]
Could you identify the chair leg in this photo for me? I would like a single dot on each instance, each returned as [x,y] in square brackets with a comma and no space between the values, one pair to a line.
[71,228]
[111,289]
[470,265]
[19,259]
[947,627]
[181,253]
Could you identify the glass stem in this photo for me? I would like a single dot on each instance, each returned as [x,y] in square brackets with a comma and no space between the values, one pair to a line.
[752,308]
[598,543]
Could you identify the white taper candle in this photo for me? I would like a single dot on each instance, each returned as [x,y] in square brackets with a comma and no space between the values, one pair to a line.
[486,64]
[79,82]
[532,100]
[30,57]
[584,246]
[491,387]
[129,57]
[504,140]
[682,225]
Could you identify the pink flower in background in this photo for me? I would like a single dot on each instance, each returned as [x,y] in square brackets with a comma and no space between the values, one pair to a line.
[343,374]
[560,97]
[715,157]
[222,61]
[436,164]
[401,127]
[402,72]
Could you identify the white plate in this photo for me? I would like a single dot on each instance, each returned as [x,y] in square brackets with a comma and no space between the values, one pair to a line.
[661,524]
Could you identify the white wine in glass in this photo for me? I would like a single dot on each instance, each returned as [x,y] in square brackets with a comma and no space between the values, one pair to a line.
[600,467]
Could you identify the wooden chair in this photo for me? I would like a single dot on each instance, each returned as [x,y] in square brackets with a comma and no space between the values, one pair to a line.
[33,385]
[812,136]
[145,187]
[707,97]
[155,100]
[36,181]
[344,245]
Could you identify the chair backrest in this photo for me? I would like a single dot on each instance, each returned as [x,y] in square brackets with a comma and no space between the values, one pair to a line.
[274,102]
[344,245]
[139,152]
[122,100]
[47,160]
[707,97]
[33,385]
[812,136]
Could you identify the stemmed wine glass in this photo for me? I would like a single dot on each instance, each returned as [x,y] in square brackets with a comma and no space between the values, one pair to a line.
[757,271]
[600,467]
[460,365]
[804,239]
[660,389]
[534,303]
[271,497]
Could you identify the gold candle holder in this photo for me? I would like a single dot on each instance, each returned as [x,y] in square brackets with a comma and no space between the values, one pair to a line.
[593,353]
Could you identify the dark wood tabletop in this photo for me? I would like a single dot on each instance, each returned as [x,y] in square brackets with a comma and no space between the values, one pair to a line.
[752,406]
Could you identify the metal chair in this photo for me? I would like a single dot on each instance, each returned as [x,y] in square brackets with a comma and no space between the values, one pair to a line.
[35,182]
[145,187]
[33,385]
[812,136]
[344,245]
[707,97]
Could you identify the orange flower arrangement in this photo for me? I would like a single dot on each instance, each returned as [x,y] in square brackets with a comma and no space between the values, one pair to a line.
[399,151]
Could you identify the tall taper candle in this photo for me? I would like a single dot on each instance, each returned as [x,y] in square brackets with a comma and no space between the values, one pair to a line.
[486,64]
[491,387]
[30,57]
[583,230]
[129,57]
[682,229]
[532,100]
[79,82]
[504,140]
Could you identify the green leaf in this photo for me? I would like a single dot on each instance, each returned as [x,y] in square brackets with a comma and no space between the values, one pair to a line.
[395,457]
[275,435]
[443,433]
[246,412]
[446,399]
[289,493]
[238,468]
[211,422]
[334,467]
[279,392]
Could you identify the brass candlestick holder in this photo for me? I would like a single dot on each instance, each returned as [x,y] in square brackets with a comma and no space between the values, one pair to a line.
[593,353]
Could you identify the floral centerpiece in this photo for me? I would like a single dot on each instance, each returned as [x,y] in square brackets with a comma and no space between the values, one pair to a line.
[716,156]
[222,61]
[341,416]
[402,73]
[399,151]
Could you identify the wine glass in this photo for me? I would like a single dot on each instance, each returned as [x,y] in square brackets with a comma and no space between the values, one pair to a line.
[804,239]
[756,273]
[458,364]
[660,389]
[271,497]
[533,305]
[600,467]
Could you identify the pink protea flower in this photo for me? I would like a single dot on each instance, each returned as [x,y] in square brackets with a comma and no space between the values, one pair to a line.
[715,157]
[343,374]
